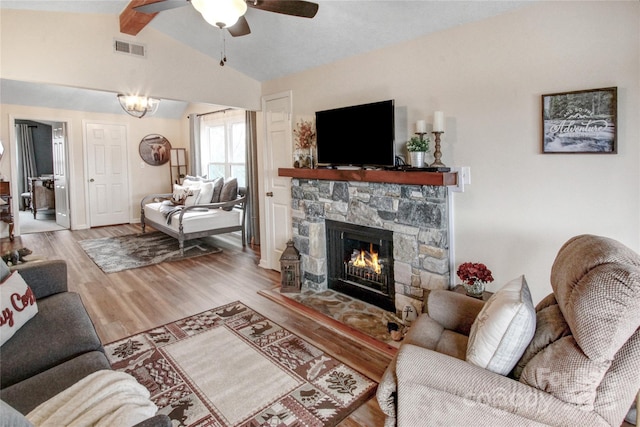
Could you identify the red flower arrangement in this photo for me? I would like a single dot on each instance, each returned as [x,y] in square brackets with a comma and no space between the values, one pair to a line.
[472,272]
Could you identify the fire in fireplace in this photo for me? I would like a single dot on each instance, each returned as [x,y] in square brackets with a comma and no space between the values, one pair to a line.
[360,262]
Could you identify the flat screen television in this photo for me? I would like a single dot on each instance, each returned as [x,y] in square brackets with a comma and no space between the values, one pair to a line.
[358,135]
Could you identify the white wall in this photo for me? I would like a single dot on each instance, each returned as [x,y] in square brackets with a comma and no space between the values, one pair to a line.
[488,78]
[77,50]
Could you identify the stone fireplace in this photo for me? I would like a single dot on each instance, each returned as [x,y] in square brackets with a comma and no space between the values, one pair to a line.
[414,217]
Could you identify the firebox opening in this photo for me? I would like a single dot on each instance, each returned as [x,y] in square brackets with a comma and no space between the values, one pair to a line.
[360,262]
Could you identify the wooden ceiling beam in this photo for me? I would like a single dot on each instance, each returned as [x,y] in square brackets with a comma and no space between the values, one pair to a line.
[132,21]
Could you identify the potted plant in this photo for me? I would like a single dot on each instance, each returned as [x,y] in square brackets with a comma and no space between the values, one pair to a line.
[417,146]
[474,276]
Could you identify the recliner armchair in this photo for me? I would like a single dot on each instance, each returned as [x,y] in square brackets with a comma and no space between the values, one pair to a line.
[582,367]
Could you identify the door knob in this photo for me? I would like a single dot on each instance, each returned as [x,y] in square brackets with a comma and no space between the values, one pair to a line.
[91,180]
[270,194]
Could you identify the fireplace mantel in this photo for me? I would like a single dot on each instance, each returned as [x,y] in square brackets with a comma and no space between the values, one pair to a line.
[385,176]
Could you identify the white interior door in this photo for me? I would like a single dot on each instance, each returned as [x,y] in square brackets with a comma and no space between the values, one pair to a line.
[60,175]
[108,193]
[277,197]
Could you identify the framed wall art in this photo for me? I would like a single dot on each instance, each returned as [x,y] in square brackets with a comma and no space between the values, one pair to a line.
[155,149]
[583,121]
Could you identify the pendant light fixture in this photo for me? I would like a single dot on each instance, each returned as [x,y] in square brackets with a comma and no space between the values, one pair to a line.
[138,106]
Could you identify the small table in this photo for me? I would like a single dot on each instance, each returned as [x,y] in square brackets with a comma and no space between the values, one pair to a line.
[6,214]
[460,289]
[42,194]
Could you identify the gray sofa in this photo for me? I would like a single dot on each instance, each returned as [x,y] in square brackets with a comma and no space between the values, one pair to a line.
[55,349]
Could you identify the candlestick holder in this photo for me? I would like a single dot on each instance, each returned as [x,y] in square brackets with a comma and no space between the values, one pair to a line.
[421,135]
[436,153]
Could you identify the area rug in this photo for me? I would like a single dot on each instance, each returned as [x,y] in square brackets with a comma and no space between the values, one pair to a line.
[113,254]
[231,366]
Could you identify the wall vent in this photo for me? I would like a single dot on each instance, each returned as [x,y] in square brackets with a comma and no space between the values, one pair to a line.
[127,48]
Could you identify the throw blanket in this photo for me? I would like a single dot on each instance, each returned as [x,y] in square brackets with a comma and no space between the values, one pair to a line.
[104,398]
[167,208]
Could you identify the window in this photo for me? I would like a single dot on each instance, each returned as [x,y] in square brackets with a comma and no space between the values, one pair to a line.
[223,146]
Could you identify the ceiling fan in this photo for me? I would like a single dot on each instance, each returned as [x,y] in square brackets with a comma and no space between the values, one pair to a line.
[229,14]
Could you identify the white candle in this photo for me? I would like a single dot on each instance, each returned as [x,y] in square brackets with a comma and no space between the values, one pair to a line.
[421,126]
[438,121]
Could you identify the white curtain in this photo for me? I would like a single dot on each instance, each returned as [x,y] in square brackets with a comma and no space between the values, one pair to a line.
[194,144]
[27,157]
[251,165]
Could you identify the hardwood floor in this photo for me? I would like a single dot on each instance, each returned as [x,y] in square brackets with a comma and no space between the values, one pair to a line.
[131,301]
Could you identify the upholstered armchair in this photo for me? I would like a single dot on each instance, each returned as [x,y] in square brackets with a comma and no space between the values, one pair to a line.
[574,360]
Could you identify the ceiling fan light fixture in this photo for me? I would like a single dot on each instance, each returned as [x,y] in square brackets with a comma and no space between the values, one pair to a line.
[138,106]
[220,13]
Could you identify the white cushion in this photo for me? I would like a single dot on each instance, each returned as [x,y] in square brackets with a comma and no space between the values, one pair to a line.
[206,193]
[184,195]
[191,183]
[17,305]
[503,329]
[195,221]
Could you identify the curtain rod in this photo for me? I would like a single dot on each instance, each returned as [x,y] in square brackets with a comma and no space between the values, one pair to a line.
[213,112]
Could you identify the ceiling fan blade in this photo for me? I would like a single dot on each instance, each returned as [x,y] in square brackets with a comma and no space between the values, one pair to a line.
[240,28]
[301,8]
[161,6]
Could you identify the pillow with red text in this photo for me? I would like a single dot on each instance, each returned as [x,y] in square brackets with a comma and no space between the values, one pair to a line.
[17,305]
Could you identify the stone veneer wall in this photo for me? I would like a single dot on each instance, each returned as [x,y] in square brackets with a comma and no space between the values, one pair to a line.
[417,215]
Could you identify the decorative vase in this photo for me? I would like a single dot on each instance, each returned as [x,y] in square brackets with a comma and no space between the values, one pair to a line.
[304,158]
[417,158]
[476,290]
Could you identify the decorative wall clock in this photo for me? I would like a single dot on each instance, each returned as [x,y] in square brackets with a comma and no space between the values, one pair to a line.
[155,149]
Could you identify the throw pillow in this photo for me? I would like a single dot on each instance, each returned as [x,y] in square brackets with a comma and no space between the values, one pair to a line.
[4,271]
[206,193]
[217,189]
[193,196]
[503,329]
[191,183]
[17,305]
[229,191]
[184,195]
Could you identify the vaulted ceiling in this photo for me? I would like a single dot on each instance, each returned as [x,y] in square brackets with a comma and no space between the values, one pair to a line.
[279,44]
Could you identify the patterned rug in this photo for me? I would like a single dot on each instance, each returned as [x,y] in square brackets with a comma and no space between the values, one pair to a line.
[113,254]
[231,366]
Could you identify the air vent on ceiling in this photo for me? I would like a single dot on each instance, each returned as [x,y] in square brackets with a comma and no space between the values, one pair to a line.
[121,46]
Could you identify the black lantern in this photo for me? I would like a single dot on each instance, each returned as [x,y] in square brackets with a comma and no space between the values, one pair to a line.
[290,269]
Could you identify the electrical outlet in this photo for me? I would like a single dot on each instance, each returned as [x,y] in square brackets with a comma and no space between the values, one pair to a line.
[466,175]
[464,178]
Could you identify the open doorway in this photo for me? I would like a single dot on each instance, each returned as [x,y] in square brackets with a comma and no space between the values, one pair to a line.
[40,176]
